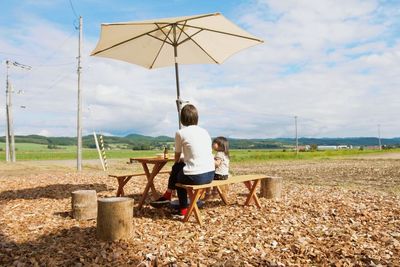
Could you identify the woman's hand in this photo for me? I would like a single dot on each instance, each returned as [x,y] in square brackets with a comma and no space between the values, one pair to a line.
[217,162]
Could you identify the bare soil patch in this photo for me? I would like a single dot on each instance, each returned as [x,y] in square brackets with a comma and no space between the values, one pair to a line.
[334,212]
[388,155]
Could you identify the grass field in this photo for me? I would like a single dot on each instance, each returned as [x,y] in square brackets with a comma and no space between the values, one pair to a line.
[26,151]
[261,155]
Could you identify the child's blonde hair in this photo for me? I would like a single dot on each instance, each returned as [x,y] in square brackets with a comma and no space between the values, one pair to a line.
[223,144]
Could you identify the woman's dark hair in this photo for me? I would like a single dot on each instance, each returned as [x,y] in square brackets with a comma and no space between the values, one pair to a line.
[223,144]
[189,115]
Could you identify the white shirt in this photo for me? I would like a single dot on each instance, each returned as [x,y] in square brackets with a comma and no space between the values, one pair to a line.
[195,144]
[223,168]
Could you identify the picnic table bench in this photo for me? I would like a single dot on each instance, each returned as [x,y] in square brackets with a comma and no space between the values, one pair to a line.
[251,182]
[124,177]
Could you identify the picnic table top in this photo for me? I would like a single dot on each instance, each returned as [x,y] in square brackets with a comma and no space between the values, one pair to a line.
[151,159]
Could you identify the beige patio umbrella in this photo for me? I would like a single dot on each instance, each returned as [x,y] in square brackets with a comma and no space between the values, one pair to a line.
[208,39]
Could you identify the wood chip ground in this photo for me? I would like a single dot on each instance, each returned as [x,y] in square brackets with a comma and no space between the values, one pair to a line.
[333,213]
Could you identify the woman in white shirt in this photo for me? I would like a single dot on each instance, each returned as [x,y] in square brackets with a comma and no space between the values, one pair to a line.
[198,166]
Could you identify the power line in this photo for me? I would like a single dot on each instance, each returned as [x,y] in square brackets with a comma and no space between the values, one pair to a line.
[54,65]
[56,81]
[10,54]
[50,56]
[73,9]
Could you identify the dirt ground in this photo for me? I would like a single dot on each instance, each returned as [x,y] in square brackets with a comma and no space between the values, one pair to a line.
[333,213]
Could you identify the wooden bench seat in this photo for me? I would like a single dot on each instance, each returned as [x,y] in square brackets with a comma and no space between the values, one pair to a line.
[195,191]
[123,178]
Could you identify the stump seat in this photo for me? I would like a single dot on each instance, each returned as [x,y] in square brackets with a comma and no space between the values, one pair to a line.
[114,218]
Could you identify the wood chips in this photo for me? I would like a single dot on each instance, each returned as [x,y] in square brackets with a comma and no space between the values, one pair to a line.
[334,212]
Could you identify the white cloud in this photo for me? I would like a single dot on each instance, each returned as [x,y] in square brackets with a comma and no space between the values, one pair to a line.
[328,63]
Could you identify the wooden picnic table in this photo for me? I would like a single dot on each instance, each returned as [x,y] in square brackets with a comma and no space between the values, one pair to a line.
[158,163]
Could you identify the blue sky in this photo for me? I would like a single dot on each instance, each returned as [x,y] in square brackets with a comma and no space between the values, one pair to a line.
[335,66]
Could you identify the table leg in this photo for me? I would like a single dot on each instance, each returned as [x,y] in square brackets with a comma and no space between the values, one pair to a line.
[248,184]
[222,195]
[252,195]
[144,195]
[194,195]
[150,177]
[121,183]
[120,191]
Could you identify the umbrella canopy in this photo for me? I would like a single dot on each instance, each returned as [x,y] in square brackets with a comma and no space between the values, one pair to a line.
[201,39]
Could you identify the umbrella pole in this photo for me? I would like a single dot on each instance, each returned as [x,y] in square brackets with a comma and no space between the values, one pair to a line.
[178,95]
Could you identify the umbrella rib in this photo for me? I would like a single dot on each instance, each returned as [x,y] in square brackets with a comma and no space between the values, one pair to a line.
[161,22]
[168,24]
[162,45]
[189,37]
[227,33]
[200,17]
[159,39]
[177,39]
[128,40]
[166,35]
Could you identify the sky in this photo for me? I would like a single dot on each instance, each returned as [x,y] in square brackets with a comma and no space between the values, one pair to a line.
[333,64]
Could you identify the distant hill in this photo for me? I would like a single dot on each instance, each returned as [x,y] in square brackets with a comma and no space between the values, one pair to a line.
[142,142]
[354,141]
[131,141]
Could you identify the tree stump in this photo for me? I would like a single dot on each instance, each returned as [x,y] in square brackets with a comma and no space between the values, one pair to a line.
[114,218]
[84,204]
[271,187]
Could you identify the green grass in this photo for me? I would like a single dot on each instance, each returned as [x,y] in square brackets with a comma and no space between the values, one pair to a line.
[262,155]
[26,151]
[27,147]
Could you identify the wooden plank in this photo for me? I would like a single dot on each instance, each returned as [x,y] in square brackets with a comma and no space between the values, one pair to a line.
[150,160]
[120,175]
[230,180]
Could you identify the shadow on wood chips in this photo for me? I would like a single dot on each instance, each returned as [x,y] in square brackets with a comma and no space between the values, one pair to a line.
[67,246]
[54,191]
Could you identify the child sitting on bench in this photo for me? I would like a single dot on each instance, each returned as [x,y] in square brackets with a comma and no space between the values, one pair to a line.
[221,160]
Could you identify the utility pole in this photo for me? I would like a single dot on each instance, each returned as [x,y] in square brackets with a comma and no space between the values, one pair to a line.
[79,121]
[379,137]
[10,124]
[7,133]
[297,140]
[10,140]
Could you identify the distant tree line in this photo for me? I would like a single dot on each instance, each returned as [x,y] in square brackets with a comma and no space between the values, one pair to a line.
[142,142]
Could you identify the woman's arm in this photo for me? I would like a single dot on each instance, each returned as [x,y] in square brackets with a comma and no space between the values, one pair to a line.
[217,162]
[177,156]
[178,147]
